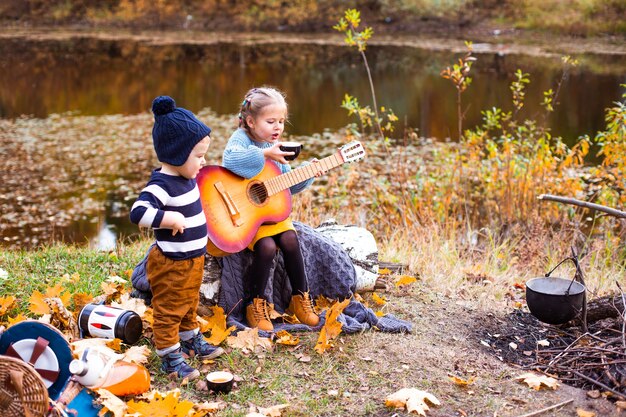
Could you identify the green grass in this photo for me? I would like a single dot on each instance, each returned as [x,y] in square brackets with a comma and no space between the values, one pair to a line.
[37,270]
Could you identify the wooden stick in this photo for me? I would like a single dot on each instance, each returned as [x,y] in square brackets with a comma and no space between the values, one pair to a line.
[593,206]
[552,407]
[600,384]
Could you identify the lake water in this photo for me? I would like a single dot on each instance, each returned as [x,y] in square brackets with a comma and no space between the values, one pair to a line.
[98,77]
[95,77]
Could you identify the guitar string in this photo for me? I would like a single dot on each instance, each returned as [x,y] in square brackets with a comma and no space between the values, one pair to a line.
[257,193]
[238,197]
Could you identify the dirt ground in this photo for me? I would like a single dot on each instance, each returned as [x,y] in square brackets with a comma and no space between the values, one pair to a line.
[451,338]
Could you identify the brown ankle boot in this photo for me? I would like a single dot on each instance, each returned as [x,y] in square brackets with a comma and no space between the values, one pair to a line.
[258,315]
[302,307]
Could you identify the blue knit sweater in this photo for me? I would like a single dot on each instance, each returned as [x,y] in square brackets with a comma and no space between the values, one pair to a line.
[244,157]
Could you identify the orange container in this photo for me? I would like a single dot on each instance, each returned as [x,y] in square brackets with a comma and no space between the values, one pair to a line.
[127,378]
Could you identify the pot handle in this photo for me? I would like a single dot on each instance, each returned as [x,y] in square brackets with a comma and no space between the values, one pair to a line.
[576,264]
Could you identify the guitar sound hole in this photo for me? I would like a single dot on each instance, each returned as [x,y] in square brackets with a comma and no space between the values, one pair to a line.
[257,193]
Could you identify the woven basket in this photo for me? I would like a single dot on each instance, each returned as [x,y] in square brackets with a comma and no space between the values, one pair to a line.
[22,391]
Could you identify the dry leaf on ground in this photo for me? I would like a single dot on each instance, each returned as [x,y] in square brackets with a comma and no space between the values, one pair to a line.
[137,354]
[217,325]
[413,399]
[110,403]
[156,404]
[6,303]
[38,304]
[460,381]
[249,341]
[378,299]
[331,328]
[283,337]
[536,381]
[273,411]
[405,280]
[584,413]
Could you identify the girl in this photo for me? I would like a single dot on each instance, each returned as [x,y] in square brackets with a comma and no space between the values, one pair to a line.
[261,124]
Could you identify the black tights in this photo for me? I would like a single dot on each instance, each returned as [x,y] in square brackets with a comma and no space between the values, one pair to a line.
[264,253]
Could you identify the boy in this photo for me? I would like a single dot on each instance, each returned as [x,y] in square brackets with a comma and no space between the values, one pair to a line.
[170,204]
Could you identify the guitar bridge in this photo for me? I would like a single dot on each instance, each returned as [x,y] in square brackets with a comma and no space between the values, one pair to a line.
[235,215]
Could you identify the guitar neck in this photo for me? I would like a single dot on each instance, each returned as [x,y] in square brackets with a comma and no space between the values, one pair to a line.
[282,182]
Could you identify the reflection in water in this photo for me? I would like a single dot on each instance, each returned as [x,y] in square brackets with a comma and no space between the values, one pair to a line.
[97,77]
[109,77]
[105,240]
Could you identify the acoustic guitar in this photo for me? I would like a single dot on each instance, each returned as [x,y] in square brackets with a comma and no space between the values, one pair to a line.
[236,207]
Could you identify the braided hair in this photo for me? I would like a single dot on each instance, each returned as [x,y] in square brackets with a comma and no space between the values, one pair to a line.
[255,100]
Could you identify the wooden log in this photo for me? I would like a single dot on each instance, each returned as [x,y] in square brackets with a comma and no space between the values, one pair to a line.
[610,306]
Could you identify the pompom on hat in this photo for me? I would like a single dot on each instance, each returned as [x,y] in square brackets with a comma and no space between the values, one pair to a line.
[175,132]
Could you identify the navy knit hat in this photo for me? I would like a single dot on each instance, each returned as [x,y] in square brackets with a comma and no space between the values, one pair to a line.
[176,131]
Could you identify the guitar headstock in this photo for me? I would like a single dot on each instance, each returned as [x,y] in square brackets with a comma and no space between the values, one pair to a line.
[352,151]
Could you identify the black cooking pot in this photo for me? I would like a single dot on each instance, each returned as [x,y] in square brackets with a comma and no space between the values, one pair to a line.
[554,300]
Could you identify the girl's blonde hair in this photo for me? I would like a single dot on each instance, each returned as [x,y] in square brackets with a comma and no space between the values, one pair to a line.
[256,99]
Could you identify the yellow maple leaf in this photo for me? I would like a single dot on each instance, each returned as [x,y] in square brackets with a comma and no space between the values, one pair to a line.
[322,303]
[39,306]
[160,405]
[17,319]
[405,280]
[536,381]
[378,299]
[249,341]
[283,337]
[80,300]
[217,325]
[460,381]
[331,328]
[112,287]
[115,344]
[6,303]
[380,313]
[384,271]
[413,399]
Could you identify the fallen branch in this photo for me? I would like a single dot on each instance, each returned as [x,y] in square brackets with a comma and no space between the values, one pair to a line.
[580,203]
[552,407]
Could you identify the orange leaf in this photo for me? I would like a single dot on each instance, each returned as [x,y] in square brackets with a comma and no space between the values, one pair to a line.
[157,404]
[217,324]
[378,299]
[322,303]
[283,337]
[460,381]
[6,303]
[17,319]
[331,328]
[384,271]
[405,280]
[39,306]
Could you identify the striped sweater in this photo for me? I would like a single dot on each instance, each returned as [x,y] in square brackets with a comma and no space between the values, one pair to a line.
[172,193]
[244,157]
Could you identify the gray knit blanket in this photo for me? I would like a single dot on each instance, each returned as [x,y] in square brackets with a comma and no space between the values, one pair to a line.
[329,270]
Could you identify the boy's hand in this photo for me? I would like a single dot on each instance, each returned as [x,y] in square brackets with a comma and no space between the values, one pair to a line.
[173,220]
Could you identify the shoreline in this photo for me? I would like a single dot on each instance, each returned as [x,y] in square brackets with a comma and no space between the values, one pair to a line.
[503,43]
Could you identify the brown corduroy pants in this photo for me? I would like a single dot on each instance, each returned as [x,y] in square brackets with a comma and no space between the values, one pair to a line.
[175,288]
